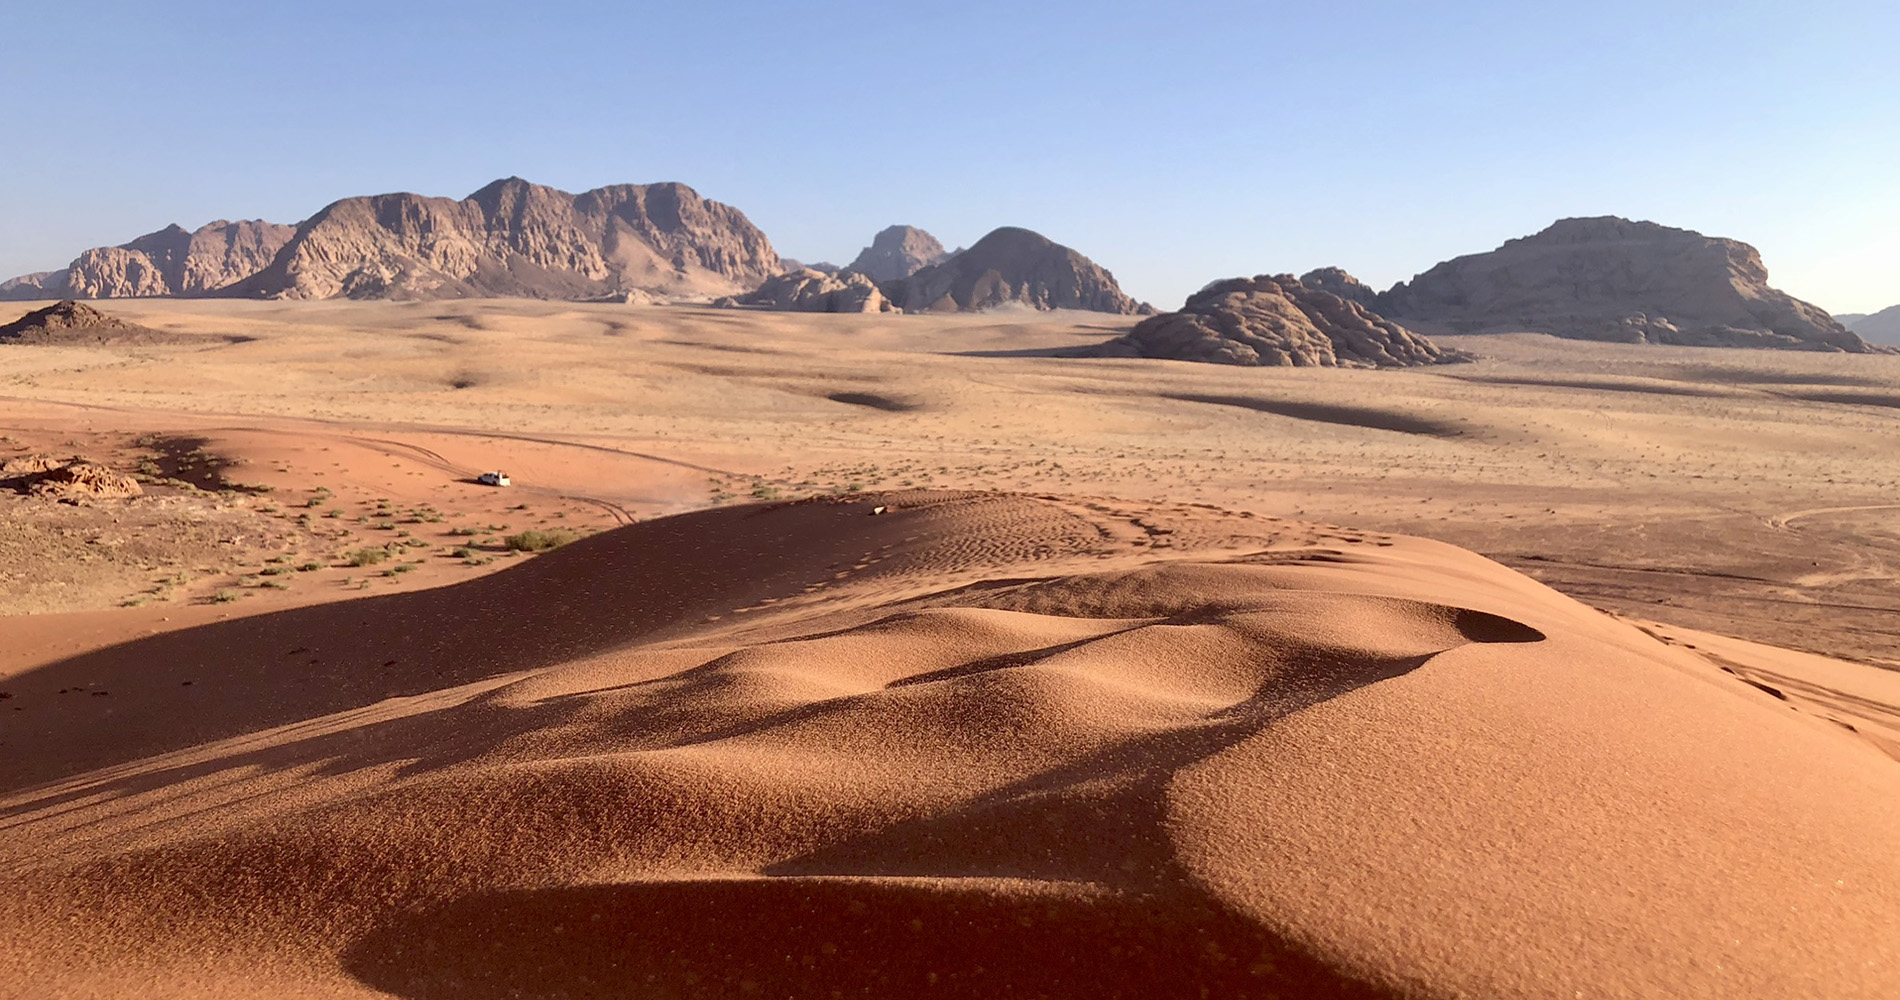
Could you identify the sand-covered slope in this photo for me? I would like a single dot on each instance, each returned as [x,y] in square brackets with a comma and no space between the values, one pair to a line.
[980,745]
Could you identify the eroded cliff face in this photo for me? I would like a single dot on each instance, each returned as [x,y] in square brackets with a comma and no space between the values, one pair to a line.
[1012,267]
[1276,320]
[513,238]
[1608,278]
[170,261]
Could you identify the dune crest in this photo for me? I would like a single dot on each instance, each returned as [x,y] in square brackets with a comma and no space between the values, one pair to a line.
[981,745]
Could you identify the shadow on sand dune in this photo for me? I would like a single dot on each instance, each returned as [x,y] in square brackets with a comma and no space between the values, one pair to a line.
[799,938]
[1332,413]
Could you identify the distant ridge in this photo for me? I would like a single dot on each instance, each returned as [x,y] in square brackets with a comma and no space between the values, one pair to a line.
[1882,327]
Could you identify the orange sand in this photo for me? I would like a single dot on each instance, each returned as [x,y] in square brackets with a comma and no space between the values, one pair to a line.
[985,745]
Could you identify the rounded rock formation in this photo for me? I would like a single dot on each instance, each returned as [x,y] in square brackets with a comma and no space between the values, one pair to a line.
[1012,266]
[809,290]
[1608,278]
[1276,321]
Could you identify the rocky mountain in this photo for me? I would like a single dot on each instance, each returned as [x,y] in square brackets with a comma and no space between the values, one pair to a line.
[1276,320]
[1608,278]
[171,261]
[1012,266]
[898,252]
[809,290]
[1882,327]
[513,238]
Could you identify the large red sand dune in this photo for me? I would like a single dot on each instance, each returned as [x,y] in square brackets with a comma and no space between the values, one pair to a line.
[981,746]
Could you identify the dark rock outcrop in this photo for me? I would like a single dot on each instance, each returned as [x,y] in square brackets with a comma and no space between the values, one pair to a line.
[898,252]
[73,480]
[513,238]
[1608,278]
[1012,266]
[808,290]
[1276,321]
[171,261]
[70,322]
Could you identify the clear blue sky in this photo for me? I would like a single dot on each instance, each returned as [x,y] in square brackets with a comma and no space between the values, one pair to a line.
[1174,142]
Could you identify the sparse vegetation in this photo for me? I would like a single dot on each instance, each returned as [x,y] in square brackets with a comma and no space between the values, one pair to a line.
[539,540]
[366,557]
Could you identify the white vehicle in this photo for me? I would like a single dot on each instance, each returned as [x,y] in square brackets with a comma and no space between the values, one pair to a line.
[494,479]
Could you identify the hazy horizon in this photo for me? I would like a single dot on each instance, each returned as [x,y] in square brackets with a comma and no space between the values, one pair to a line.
[1173,145]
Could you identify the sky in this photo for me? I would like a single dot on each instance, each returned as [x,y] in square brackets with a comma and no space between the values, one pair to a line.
[1174,142]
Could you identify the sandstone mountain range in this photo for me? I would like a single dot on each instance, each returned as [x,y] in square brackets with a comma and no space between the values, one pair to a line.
[1602,278]
[171,262]
[511,238]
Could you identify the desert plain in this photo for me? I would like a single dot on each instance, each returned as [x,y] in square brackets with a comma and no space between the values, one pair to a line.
[904,656]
